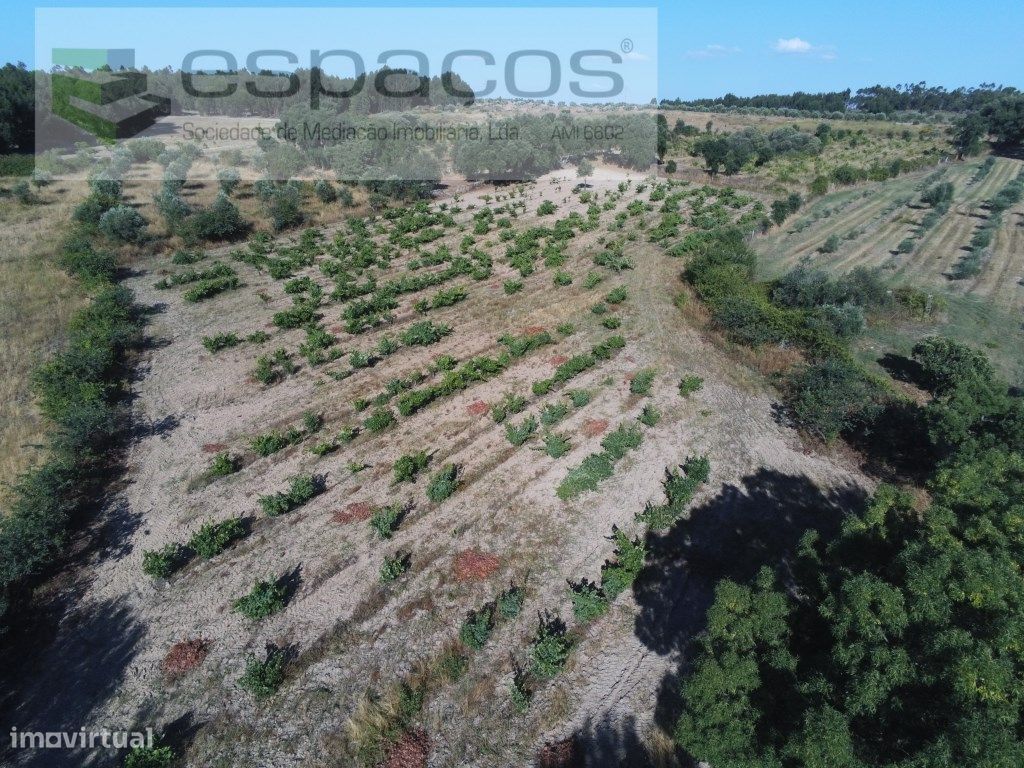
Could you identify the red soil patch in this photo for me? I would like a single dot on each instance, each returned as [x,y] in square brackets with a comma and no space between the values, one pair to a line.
[477,408]
[474,565]
[533,329]
[410,751]
[183,657]
[560,754]
[594,427]
[557,360]
[214,447]
[353,513]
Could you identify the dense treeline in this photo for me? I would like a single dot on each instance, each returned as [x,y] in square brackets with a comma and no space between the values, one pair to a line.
[877,99]
[78,391]
[894,642]
[17,105]
[835,101]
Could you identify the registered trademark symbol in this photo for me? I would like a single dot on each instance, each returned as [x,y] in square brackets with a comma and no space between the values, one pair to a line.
[626,45]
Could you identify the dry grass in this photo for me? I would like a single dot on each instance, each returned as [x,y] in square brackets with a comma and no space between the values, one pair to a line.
[36,300]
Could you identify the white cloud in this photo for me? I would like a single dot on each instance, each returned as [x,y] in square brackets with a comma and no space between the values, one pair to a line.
[712,52]
[792,45]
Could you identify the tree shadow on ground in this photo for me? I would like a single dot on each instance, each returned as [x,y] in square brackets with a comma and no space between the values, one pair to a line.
[758,522]
[603,742]
[63,688]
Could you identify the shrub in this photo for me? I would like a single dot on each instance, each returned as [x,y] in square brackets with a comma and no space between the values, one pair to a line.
[592,280]
[588,601]
[578,397]
[213,538]
[510,602]
[394,566]
[617,296]
[642,382]
[386,519]
[425,333]
[264,599]
[272,442]
[512,286]
[517,434]
[832,396]
[221,341]
[546,208]
[150,757]
[444,483]
[611,322]
[618,575]
[325,191]
[831,244]
[550,648]
[380,419]
[649,416]
[408,467]
[689,385]
[680,488]
[223,464]
[284,208]
[263,677]
[510,403]
[556,446]
[566,329]
[562,278]
[906,245]
[228,179]
[553,413]
[477,628]
[301,489]
[123,224]
[161,563]
[221,221]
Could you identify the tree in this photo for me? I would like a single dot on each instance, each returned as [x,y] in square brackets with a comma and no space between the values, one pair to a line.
[1004,118]
[968,131]
[662,139]
[585,168]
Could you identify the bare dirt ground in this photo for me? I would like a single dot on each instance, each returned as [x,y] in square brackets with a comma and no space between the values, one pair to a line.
[350,634]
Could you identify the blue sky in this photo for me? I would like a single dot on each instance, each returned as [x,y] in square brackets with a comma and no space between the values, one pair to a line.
[710,48]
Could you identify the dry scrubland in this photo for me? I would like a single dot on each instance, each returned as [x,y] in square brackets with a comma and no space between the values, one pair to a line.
[352,638]
[324,446]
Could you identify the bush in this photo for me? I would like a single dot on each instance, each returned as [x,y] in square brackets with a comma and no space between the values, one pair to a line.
[550,648]
[150,757]
[831,244]
[618,575]
[263,677]
[690,384]
[380,419]
[386,519]
[477,628]
[408,467]
[213,538]
[510,602]
[284,208]
[123,224]
[301,489]
[221,221]
[546,208]
[325,191]
[517,434]
[578,397]
[443,484]
[228,179]
[588,601]
[264,599]
[649,416]
[512,286]
[562,279]
[394,566]
[509,403]
[556,446]
[832,396]
[642,382]
[163,562]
